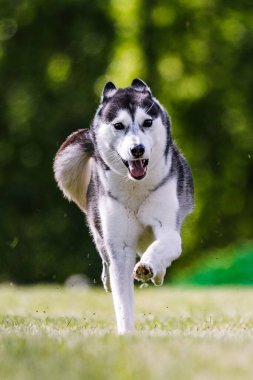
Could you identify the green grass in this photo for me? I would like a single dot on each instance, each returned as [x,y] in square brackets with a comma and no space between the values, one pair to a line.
[54,333]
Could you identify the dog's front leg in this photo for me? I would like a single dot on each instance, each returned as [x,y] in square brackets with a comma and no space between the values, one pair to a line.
[120,230]
[158,256]
[161,213]
[122,285]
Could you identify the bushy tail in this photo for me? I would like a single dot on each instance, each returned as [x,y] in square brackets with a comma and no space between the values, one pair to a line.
[72,166]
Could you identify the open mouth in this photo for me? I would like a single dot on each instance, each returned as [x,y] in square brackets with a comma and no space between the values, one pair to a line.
[137,168]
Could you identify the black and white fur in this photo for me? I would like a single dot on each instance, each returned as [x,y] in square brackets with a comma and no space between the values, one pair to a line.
[135,187]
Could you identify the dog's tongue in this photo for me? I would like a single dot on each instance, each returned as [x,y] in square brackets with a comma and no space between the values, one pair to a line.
[136,168]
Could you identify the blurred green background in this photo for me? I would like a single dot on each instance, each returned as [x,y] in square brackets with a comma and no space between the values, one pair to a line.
[55,56]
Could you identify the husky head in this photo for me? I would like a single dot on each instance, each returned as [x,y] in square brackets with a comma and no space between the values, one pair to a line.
[131,130]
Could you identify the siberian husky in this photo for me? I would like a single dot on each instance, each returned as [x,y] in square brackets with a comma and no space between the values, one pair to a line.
[127,175]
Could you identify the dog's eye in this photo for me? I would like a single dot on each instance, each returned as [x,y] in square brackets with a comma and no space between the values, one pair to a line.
[147,123]
[119,126]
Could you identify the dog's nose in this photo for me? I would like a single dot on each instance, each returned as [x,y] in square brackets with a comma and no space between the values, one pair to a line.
[137,150]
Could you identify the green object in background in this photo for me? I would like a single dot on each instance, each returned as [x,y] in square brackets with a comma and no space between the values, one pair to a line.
[224,267]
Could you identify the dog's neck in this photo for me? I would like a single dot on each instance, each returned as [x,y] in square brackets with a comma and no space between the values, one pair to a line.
[134,193]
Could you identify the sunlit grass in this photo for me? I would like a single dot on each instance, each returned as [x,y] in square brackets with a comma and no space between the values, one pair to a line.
[57,333]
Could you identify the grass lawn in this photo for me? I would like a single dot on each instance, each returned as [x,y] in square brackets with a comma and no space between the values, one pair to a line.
[56,333]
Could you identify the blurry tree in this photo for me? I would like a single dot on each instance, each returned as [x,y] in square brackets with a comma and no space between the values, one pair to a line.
[197,56]
[51,54]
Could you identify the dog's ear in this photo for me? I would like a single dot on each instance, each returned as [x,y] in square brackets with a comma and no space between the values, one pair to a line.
[141,86]
[108,91]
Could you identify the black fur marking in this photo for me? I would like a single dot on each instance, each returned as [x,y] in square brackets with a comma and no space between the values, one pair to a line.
[129,99]
[110,195]
[163,181]
[96,154]
[178,221]
[159,222]
[92,194]
[166,122]
[177,169]
[185,188]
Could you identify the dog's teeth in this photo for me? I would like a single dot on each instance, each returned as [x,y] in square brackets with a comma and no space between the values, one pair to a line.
[144,163]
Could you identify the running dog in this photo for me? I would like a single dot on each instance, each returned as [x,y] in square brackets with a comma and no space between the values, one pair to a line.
[135,187]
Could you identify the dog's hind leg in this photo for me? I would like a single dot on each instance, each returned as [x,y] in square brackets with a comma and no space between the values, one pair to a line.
[97,236]
[105,277]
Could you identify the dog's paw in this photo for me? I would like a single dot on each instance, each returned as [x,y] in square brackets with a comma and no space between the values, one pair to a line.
[142,272]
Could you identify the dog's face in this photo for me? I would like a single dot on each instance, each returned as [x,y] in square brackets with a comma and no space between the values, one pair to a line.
[132,130]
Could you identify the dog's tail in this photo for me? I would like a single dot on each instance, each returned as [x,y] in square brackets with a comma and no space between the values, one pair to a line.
[72,166]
